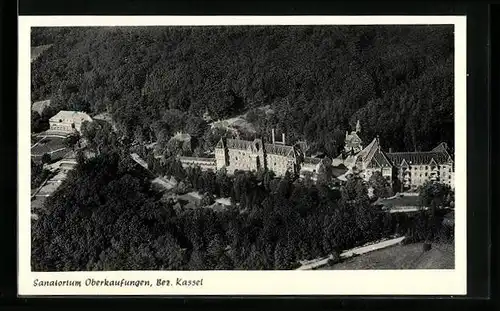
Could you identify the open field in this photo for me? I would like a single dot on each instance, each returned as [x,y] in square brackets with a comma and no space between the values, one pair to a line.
[410,256]
[404,201]
[51,145]
[47,145]
[240,122]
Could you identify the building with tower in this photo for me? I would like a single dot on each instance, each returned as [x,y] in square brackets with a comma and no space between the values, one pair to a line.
[237,154]
[353,143]
[406,171]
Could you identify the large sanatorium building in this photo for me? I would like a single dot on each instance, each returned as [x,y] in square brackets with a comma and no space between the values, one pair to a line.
[406,171]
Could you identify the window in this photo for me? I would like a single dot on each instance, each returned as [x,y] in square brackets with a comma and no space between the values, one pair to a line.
[449,171]
[426,174]
[426,167]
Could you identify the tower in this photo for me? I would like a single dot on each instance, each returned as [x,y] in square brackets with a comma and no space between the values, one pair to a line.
[358,127]
[221,158]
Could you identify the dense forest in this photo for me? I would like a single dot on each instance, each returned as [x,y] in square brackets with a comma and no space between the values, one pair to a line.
[106,216]
[397,80]
[155,81]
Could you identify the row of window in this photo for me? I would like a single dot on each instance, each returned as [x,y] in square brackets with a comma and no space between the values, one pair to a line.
[427,168]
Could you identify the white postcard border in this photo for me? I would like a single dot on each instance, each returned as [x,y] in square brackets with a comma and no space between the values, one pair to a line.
[324,282]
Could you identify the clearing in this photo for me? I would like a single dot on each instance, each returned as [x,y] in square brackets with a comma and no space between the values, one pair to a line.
[36,51]
[240,122]
[52,145]
[400,202]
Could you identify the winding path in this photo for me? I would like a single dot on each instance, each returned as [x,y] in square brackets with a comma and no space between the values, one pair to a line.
[316,263]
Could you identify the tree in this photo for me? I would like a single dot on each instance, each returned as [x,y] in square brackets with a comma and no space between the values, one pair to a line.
[354,191]
[46,158]
[325,171]
[207,199]
[224,183]
[382,86]
[380,185]
[38,124]
[100,136]
[38,174]
[71,140]
[80,157]
[434,195]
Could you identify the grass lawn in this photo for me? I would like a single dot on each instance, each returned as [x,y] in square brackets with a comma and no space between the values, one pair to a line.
[401,201]
[410,256]
[47,145]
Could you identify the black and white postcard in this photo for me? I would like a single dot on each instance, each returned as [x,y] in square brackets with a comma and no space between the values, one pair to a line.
[242,155]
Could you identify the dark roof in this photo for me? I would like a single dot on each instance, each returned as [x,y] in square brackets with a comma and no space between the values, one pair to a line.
[418,158]
[309,160]
[282,150]
[238,144]
[366,155]
[442,147]
[380,159]
[339,170]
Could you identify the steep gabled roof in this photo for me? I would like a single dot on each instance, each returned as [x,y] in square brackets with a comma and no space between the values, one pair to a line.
[220,144]
[418,158]
[368,152]
[238,144]
[378,160]
[382,159]
[442,147]
[281,150]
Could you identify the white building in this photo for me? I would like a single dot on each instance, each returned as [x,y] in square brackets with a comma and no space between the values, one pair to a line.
[68,121]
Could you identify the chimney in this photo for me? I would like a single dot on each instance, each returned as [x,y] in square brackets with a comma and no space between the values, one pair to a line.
[283,138]
[272,133]
[390,150]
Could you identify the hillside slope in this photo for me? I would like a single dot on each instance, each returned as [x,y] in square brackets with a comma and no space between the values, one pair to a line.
[398,80]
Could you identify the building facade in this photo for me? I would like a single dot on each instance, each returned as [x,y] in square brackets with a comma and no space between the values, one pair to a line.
[237,154]
[406,171]
[68,121]
[310,167]
[248,155]
[416,168]
[203,163]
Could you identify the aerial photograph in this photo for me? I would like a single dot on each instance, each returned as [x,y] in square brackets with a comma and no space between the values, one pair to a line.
[259,147]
